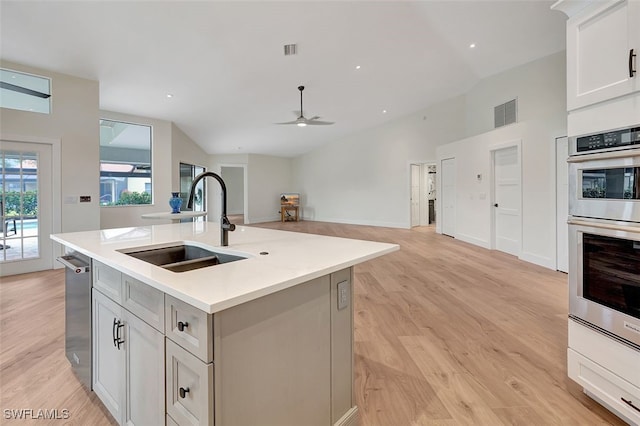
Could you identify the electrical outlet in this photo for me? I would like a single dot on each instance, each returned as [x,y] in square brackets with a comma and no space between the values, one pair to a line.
[343,294]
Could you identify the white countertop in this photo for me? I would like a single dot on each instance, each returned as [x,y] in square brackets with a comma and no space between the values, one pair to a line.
[293,258]
[173,216]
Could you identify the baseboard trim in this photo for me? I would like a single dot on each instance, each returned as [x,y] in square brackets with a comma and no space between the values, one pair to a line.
[350,418]
[473,240]
[538,260]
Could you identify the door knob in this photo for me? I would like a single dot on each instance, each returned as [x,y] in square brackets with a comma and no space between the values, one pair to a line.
[495,205]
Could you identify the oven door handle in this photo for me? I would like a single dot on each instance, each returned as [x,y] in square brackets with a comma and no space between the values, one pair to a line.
[75,264]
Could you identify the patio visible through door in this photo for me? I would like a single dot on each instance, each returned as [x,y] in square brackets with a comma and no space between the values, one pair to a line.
[25,207]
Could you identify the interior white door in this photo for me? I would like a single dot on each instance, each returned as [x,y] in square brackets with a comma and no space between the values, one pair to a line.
[562,204]
[26,212]
[448,196]
[415,195]
[507,200]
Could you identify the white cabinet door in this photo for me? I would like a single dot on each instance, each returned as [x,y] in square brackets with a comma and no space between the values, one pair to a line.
[599,43]
[144,372]
[128,364]
[108,359]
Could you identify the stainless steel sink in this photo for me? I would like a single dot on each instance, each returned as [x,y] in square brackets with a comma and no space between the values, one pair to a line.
[181,258]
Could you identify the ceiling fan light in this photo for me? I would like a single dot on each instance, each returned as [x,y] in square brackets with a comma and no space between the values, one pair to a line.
[301,124]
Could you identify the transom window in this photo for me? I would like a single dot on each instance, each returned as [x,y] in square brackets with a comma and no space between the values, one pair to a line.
[24,92]
[125,163]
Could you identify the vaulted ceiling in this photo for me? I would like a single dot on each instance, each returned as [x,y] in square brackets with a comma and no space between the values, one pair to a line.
[224,66]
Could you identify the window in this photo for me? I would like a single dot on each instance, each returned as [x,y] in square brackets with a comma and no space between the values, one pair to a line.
[24,92]
[125,163]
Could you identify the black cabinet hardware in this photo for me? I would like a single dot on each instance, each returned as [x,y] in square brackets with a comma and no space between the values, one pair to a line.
[183,392]
[182,325]
[630,404]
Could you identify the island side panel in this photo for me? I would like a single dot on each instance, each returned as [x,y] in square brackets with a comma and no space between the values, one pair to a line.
[343,411]
[273,359]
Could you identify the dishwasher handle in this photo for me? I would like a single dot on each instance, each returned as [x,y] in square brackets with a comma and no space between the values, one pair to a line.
[75,264]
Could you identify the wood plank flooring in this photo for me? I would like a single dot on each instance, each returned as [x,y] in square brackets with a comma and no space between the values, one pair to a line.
[446,333]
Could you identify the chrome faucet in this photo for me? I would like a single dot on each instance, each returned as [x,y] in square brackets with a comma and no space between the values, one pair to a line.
[225,225]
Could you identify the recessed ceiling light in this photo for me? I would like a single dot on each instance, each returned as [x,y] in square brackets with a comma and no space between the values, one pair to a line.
[169,95]
[384,111]
[357,67]
[472,45]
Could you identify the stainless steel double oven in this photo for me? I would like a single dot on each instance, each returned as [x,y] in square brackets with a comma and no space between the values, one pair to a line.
[604,232]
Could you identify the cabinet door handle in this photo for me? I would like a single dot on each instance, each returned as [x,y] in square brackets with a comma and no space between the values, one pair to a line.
[117,340]
[631,70]
[630,404]
[113,332]
[183,392]
[182,325]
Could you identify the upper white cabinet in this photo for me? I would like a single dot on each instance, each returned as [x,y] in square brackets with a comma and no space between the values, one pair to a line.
[602,39]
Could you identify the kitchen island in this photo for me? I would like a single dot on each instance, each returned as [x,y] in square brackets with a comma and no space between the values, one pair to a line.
[267,339]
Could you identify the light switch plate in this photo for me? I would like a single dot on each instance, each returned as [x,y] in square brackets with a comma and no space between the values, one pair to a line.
[343,294]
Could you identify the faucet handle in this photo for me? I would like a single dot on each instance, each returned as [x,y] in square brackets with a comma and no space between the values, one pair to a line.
[227,225]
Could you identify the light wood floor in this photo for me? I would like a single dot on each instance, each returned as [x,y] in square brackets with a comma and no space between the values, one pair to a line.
[446,334]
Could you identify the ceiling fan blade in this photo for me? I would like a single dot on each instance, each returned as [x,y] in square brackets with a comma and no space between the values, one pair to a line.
[20,89]
[289,122]
[319,123]
[315,117]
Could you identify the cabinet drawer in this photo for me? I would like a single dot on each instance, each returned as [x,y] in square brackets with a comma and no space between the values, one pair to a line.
[605,386]
[144,301]
[189,327]
[189,387]
[170,421]
[108,280]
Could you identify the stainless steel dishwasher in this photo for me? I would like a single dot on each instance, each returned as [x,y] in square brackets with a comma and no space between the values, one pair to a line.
[78,314]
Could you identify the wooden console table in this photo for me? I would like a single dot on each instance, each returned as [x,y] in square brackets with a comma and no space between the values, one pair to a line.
[284,209]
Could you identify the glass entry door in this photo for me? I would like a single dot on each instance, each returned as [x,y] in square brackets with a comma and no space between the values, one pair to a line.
[25,207]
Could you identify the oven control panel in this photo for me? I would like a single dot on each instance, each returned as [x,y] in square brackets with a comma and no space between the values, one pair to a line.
[606,141]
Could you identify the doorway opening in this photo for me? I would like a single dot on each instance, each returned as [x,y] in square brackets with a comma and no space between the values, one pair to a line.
[422,194]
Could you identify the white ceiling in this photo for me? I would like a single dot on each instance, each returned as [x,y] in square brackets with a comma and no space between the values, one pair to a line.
[223,62]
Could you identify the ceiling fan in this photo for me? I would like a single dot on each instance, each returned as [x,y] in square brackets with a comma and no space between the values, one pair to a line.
[302,120]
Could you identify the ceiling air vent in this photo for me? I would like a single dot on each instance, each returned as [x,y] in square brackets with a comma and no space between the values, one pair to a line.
[505,113]
[290,49]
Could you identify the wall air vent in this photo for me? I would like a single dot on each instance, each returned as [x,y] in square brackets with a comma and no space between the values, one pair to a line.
[505,113]
[290,49]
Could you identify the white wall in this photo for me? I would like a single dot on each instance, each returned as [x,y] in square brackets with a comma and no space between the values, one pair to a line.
[184,150]
[364,178]
[268,177]
[234,180]
[74,122]
[540,89]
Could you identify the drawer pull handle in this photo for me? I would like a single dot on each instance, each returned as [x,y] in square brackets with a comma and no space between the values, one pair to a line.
[631,70]
[182,325]
[183,392]
[630,404]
